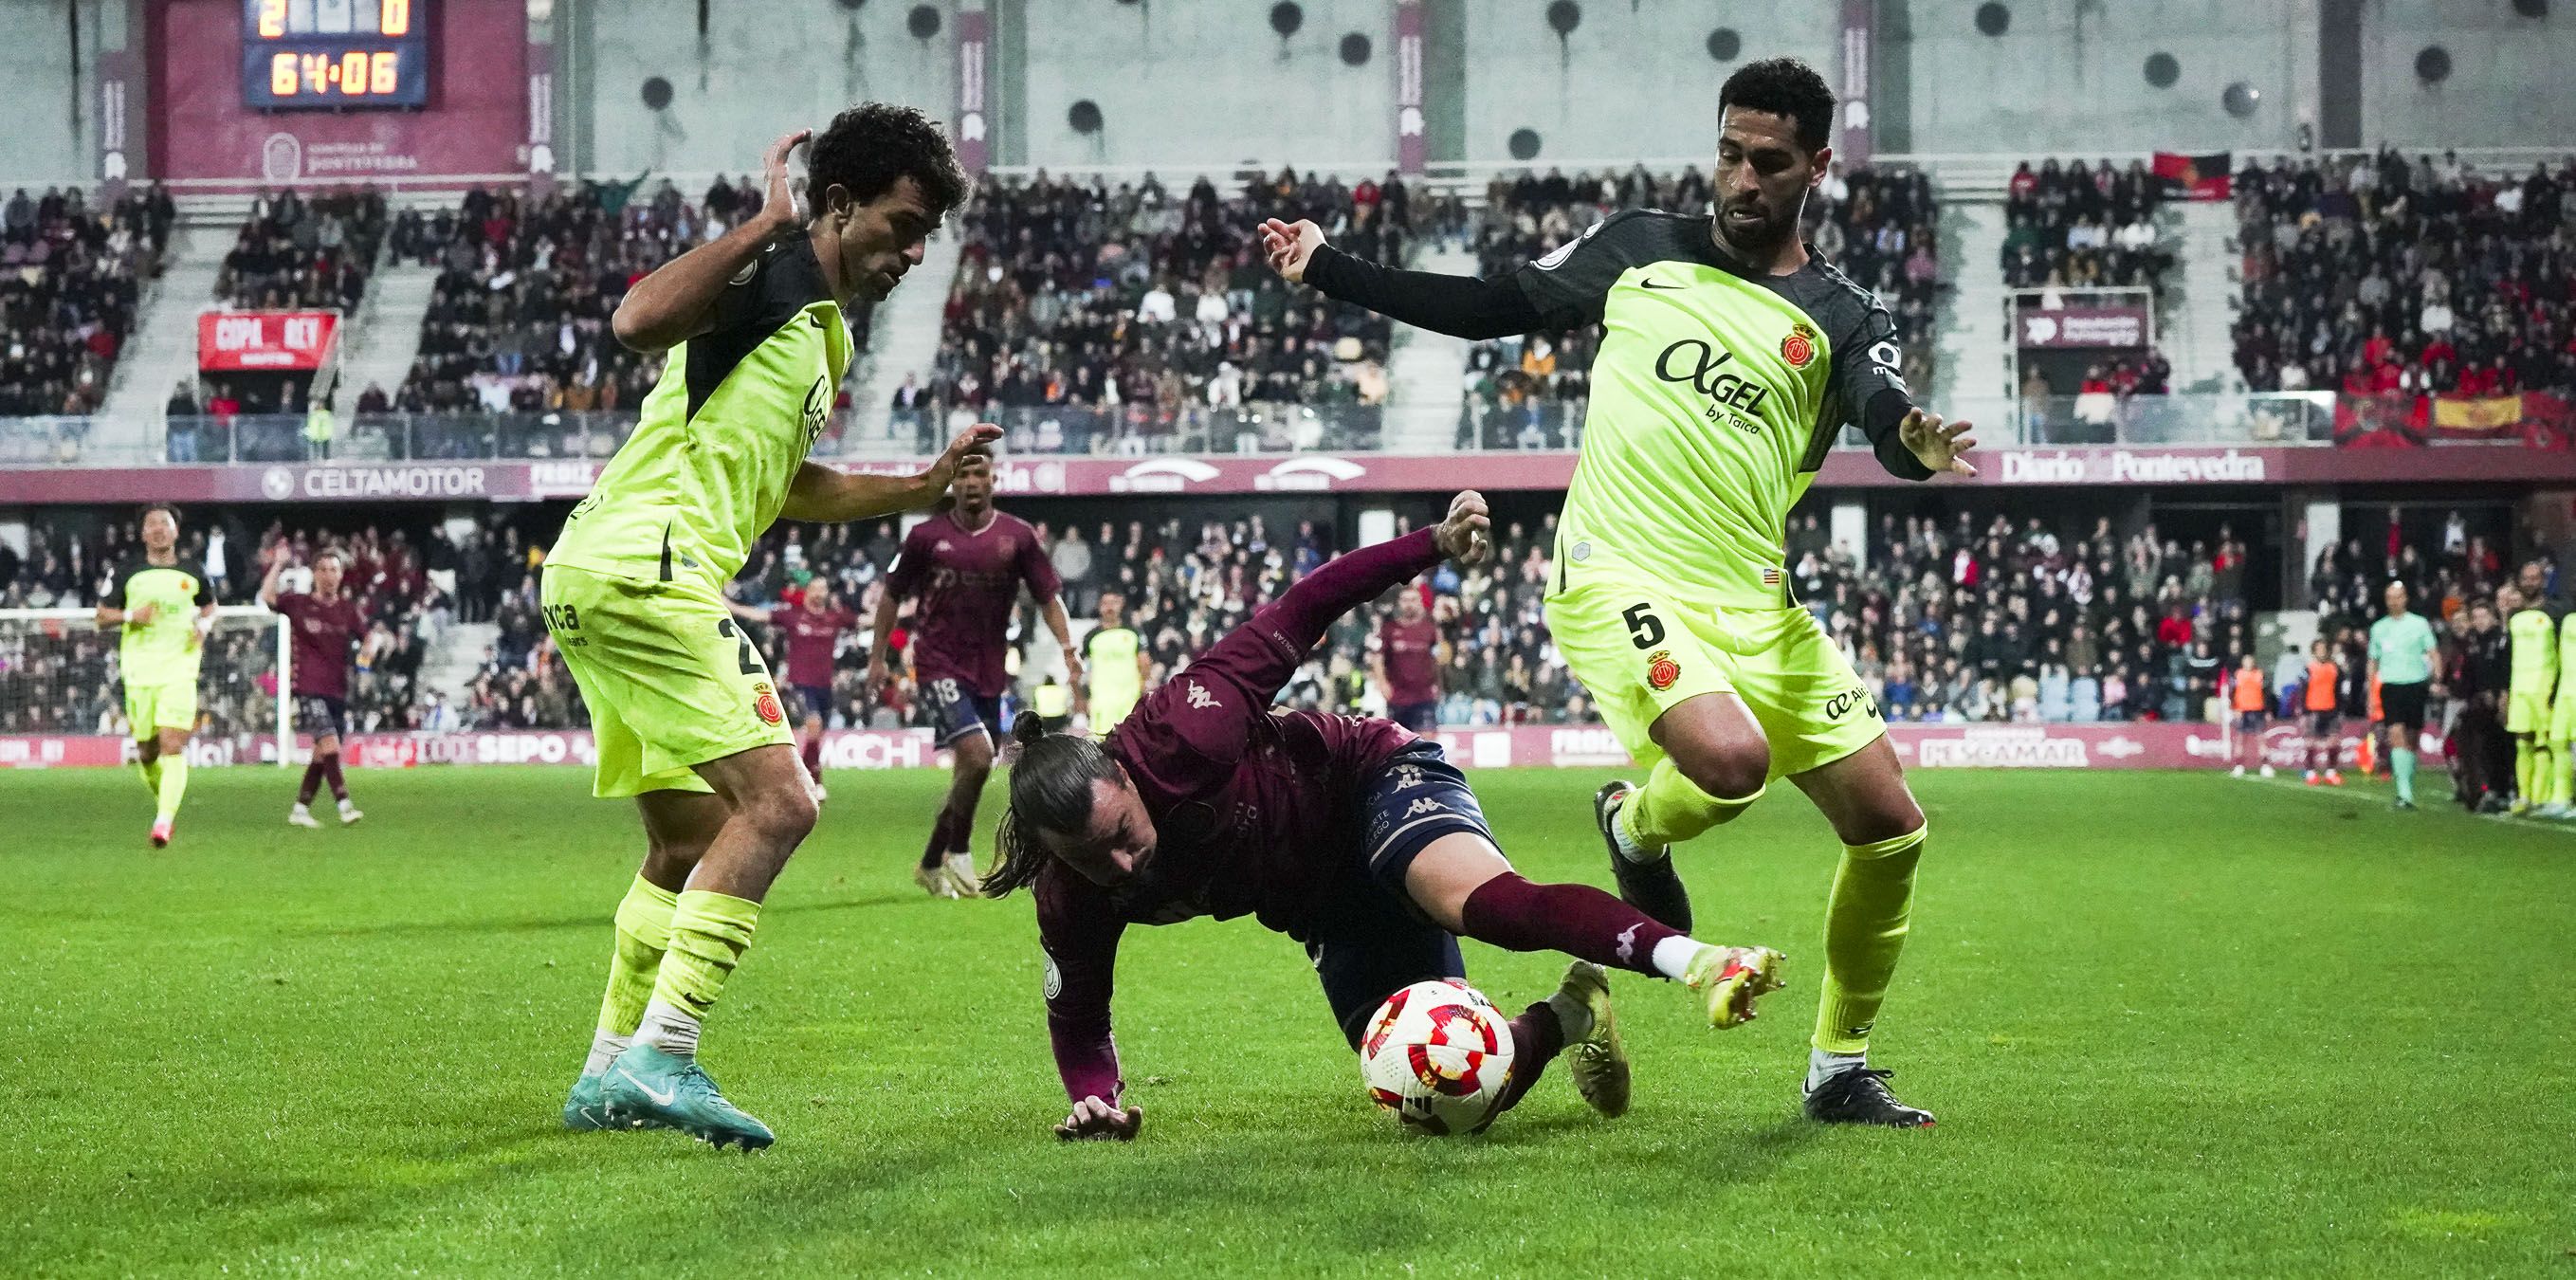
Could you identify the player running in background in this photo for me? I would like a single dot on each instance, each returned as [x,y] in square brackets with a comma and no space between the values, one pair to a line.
[1730,361]
[2319,696]
[2405,660]
[2246,698]
[1406,661]
[165,610]
[814,629]
[326,625]
[2534,637]
[1346,833]
[1114,660]
[964,567]
[681,705]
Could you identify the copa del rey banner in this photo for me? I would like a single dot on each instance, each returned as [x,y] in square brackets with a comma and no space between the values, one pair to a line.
[264,341]
[1920,746]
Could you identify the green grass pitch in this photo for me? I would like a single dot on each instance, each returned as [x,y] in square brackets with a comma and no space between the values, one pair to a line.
[2172,1024]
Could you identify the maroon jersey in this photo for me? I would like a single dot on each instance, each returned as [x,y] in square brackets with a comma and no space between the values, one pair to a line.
[811,637]
[963,585]
[1254,810]
[1412,658]
[324,631]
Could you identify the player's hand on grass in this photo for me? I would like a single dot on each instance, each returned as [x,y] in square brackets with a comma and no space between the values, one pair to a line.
[1938,445]
[972,447]
[1093,1118]
[1289,245]
[778,207]
[1464,534]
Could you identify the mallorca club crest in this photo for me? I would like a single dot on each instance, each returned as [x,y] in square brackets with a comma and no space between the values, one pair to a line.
[1799,347]
[1661,670]
[764,702]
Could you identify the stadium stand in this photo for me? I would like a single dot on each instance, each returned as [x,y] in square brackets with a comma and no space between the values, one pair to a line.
[308,252]
[71,271]
[2075,227]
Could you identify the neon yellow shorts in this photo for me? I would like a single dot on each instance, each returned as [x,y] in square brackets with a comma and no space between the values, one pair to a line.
[1640,649]
[671,680]
[150,708]
[2526,713]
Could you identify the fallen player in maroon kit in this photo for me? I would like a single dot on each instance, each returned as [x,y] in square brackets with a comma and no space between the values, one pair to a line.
[1346,833]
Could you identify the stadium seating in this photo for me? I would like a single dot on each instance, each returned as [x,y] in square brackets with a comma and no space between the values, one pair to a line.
[2381,276]
[1878,227]
[305,252]
[70,273]
[2083,227]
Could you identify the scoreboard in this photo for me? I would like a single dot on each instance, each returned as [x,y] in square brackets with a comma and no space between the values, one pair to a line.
[320,55]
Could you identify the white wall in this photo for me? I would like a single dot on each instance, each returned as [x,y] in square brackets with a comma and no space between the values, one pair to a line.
[40,143]
[2508,85]
[2069,75]
[767,67]
[1635,79]
[1207,82]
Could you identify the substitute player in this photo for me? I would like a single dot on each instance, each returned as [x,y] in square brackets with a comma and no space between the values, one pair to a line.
[2405,661]
[1730,360]
[682,708]
[1346,833]
[1114,659]
[165,610]
[326,625]
[2533,635]
[2320,697]
[965,566]
[2246,698]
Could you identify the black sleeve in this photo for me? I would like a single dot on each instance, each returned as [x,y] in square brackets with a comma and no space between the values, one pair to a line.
[205,589]
[1461,306]
[1570,287]
[1868,391]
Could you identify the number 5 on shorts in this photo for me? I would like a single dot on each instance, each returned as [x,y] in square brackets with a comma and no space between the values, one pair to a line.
[1645,630]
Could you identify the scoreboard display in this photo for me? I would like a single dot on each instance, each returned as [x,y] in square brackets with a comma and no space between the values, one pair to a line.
[322,55]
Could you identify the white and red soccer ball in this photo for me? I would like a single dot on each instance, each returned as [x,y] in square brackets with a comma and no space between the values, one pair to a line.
[1437,1054]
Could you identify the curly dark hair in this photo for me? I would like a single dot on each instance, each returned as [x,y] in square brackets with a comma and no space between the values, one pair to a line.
[871,146]
[1788,88]
[1050,791]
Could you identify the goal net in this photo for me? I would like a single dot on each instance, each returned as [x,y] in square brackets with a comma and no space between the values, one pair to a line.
[58,678]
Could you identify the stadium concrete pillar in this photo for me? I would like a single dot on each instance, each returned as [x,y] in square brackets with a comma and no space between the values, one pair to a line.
[2320,525]
[1848,527]
[972,122]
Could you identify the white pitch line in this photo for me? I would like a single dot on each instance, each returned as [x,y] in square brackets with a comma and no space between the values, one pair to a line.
[2382,800]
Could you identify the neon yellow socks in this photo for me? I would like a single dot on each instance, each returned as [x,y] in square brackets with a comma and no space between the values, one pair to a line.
[151,771]
[709,933]
[1671,808]
[643,934]
[173,784]
[1865,924]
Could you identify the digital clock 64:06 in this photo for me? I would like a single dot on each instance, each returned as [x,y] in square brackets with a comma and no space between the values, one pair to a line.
[356,73]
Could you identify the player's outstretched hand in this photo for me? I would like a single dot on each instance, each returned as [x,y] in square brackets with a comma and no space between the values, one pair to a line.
[972,447]
[1464,535]
[1289,245]
[1937,445]
[778,206]
[1093,1118]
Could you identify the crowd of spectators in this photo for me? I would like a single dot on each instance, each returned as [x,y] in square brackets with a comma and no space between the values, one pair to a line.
[2381,276]
[1137,318]
[2072,227]
[1876,226]
[518,319]
[311,253]
[70,274]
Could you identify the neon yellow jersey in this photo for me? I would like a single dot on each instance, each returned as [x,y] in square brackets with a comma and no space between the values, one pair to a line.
[1716,394]
[2535,653]
[1109,666]
[164,650]
[2567,657]
[721,436]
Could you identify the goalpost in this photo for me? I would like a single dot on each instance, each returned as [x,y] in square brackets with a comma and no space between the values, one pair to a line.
[58,676]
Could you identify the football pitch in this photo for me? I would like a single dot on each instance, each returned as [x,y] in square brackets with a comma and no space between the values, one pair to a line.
[2171,1024]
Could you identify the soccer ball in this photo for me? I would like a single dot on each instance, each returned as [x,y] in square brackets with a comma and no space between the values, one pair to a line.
[1437,1055]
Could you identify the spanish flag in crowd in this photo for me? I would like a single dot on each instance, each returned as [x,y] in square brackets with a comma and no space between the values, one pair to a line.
[2205,177]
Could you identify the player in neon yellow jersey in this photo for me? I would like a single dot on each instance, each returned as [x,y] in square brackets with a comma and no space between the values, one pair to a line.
[1730,360]
[164,609]
[685,715]
[2534,637]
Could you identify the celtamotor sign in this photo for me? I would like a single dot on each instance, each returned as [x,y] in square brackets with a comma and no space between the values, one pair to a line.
[264,341]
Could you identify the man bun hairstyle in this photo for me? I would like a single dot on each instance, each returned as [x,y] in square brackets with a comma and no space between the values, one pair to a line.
[1788,88]
[1051,777]
[870,147]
